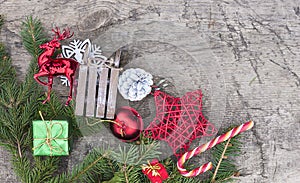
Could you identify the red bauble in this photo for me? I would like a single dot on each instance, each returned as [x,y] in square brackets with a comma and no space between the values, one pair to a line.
[128,124]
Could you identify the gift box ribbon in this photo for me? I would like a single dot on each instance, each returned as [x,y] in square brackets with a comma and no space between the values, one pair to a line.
[153,168]
[49,138]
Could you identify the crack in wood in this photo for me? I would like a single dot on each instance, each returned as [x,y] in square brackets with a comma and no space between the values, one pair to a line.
[287,68]
[254,67]
[259,140]
[297,10]
[268,27]
[186,5]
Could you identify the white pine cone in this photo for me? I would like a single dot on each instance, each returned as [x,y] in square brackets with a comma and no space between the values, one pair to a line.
[135,84]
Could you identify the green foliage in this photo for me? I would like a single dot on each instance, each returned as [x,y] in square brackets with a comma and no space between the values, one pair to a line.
[19,106]
[95,167]
[1,21]
[33,35]
[227,169]
[89,126]
[131,157]
[175,176]
[7,72]
[136,154]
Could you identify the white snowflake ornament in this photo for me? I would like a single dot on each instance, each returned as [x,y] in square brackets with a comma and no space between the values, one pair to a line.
[135,84]
[76,50]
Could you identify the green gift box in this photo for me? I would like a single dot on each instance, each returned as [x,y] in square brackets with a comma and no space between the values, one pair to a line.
[50,138]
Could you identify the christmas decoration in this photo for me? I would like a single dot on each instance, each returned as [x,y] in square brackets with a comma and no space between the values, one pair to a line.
[135,84]
[179,121]
[19,106]
[77,49]
[50,67]
[128,124]
[97,88]
[207,166]
[50,138]
[155,171]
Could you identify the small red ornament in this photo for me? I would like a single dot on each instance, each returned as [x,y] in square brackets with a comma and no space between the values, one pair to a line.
[50,67]
[128,124]
[155,171]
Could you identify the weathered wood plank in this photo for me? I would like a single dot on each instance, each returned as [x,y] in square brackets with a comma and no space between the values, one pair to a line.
[81,90]
[112,95]
[113,87]
[102,91]
[244,35]
[117,58]
[91,92]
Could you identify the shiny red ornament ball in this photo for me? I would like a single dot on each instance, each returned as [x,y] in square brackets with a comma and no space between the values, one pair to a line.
[128,124]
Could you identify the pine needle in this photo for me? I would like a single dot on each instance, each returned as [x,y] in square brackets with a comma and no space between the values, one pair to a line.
[94,162]
[19,105]
[213,179]
[1,21]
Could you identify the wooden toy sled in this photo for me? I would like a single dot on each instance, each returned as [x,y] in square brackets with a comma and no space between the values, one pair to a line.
[97,88]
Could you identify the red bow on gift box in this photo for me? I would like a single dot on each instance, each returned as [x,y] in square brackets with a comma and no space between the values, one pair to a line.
[155,171]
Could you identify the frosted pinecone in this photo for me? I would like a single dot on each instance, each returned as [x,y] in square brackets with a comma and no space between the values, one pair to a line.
[135,84]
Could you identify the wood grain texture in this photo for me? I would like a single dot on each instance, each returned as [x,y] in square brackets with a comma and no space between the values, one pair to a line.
[243,54]
[112,94]
[81,90]
[91,93]
[102,93]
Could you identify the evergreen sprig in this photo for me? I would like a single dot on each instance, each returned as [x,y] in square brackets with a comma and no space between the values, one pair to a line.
[1,21]
[131,157]
[33,35]
[223,162]
[19,106]
[17,110]
[95,167]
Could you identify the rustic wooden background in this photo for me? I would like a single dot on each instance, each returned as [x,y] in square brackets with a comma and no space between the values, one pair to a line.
[244,54]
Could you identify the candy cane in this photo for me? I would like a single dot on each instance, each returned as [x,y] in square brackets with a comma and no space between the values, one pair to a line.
[205,167]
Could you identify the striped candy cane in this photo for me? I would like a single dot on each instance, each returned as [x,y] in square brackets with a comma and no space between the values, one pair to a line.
[207,166]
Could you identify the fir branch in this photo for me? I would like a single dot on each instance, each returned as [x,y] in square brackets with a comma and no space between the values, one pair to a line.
[213,179]
[126,173]
[174,174]
[33,36]
[1,21]
[125,155]
[130,158]
[136,154]
[87,168]
[136,175]
[224,167]
[148,152]
[43,168]
[22,168]
[19,104]
[7,72]
[96,165]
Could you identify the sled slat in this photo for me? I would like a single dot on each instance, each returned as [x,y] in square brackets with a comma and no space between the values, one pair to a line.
[102,90]
[81,89]
[101,103]
[91,92]
[112,95]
